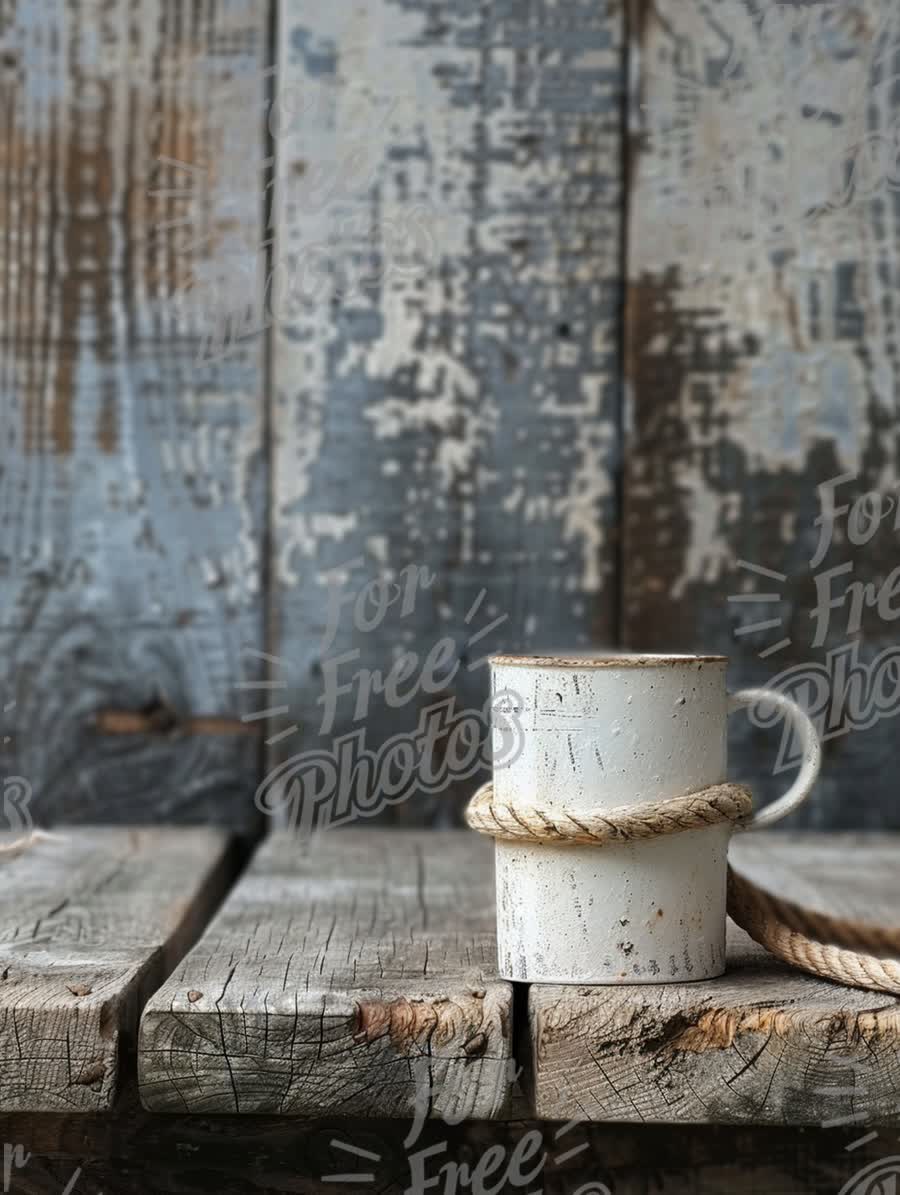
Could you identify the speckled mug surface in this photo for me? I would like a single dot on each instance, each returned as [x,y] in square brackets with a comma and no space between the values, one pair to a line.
[600,733]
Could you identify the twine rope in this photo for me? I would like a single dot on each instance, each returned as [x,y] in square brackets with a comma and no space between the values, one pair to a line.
[11,850]
[825,946]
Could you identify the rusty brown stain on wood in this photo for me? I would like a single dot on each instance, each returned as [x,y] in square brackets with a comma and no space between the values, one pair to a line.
[108,423]
[173,271]
[86,290]
[409,1022]
[163,721]
[640,12]
[719,1029]
[91,216]
[669,347]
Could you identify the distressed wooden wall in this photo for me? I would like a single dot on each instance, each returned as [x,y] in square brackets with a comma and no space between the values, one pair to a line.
[274,336]
[762,359]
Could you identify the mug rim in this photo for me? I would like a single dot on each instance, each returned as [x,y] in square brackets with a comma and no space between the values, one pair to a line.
[626,660]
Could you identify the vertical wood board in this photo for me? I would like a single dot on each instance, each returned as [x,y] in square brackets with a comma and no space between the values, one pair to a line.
[446,360]
[132,476]
[762,362]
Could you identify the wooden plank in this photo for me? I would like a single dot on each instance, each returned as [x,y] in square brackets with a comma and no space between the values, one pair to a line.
[134,1151]
[90,922]
[762,275]
[447,391]
[354,974]
[131,494]
[764,1044]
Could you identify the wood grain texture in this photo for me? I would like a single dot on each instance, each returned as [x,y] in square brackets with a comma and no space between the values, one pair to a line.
[762,355]
[764,1044]
[133,1151]
[91,922]
[352,973]
[131,486]
[446,369]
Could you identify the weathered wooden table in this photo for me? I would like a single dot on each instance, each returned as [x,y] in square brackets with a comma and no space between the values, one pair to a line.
[352,980]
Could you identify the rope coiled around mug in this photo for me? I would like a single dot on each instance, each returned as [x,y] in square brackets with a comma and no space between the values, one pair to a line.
[826,946]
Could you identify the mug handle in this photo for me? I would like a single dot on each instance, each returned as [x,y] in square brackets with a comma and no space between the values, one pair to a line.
[811,751]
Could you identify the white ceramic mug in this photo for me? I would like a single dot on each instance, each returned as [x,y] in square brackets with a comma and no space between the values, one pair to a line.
[615,731]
